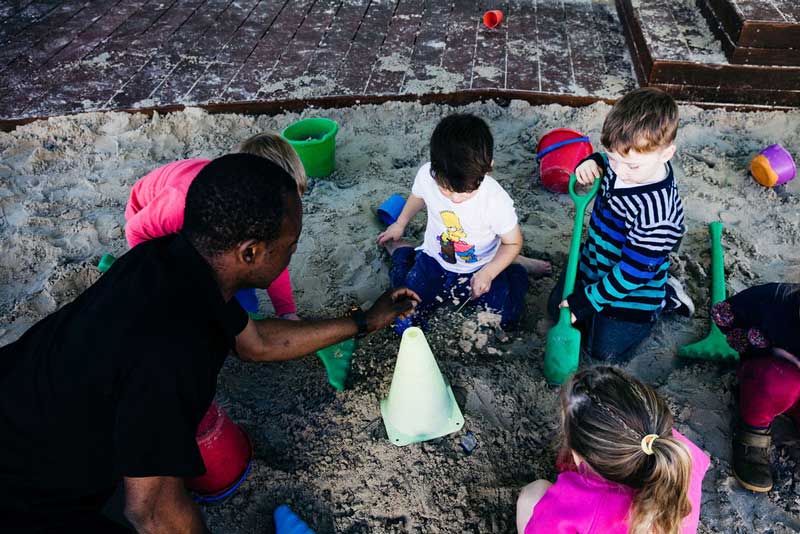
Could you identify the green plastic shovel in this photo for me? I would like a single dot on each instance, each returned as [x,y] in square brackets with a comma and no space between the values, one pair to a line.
[564,340]
[714,346]
[336,359]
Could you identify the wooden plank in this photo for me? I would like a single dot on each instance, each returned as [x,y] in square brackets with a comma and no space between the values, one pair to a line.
[247,82]
[620,74]
[350,78]
[760,24]
[523,54]
[30,88]
[12,47]
[693,93]
[161,64]
[734,76]
[204,53]
[555,60]
[758,10]
[588,59]
[287,77]
[458,59]
[57,31]
[9,9]
[394,57]
[426,72]
[490,51]
[320,75]
[111,66]
[25,17]
[212,83]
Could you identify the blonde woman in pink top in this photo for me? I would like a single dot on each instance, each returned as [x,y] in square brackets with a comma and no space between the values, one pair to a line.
[633,473]
[157,201]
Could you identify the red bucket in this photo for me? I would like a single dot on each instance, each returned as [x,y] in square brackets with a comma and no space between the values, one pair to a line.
[226,452]
[558,152]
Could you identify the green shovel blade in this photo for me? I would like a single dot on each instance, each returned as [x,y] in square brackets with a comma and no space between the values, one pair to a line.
[563,349]
[336,359]
[713,347]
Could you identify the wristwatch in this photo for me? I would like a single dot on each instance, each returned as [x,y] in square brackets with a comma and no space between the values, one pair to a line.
[360,318]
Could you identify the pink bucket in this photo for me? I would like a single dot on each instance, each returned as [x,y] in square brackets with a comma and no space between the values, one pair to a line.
[558,152]
[226,452]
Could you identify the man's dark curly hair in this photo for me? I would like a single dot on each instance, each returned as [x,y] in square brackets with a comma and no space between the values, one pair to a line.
[462,149]
[235,198]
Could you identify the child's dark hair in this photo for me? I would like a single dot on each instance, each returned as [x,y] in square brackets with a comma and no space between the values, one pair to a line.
[461,152]
[235,198]
[607,415]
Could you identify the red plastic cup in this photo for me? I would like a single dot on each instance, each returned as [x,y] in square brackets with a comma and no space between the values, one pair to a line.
[226,452]
[558,152]
[492,18]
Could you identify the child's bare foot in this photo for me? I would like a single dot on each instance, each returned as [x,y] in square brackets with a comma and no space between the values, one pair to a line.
[534,266]
[392,245]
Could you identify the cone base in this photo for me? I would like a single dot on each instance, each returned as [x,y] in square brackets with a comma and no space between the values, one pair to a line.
[455,422]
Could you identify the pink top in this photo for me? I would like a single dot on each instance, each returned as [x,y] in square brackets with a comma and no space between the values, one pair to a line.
[155,209]
[586,503]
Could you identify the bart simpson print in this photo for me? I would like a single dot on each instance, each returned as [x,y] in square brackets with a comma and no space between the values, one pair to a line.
[452,240]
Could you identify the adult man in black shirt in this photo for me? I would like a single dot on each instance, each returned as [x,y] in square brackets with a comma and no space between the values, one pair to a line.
[113,386]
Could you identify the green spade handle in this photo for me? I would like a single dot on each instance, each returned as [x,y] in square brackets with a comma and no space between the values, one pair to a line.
[717,263]
[581,201]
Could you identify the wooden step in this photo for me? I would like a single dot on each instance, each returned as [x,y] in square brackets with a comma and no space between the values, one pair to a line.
[673,48]
[756,32]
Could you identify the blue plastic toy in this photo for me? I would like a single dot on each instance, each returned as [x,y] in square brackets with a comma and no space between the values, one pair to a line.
[287,522]
[248,300]
[389,211]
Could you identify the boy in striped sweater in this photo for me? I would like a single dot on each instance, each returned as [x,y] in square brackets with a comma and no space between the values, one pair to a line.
[637,220]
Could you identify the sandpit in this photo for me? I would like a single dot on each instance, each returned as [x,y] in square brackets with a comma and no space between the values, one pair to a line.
[63,186]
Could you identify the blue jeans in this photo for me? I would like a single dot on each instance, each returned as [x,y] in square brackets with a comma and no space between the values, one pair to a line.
[423,274]
[606,338]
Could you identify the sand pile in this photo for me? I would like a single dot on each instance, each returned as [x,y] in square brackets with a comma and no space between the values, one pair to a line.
[63,185]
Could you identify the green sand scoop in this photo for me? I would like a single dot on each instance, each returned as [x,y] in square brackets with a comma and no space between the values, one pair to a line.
[714,346]
[564,340]
[336,359]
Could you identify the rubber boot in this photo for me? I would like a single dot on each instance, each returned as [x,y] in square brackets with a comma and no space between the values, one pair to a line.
[751,458]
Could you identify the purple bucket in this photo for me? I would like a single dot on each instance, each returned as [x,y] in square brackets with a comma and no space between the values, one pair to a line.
[773,166]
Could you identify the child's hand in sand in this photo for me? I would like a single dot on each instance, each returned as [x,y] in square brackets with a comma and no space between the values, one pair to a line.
[290,317]
[587,172]
[392,233]
[565,304]
[481,283]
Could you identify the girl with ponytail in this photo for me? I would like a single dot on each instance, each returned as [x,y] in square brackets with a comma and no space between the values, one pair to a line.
[633,473]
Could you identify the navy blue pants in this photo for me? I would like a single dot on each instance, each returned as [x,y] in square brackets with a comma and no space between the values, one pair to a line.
[423,274]
[606,338]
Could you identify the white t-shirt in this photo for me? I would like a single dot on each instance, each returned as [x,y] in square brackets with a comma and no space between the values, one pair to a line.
[464,237]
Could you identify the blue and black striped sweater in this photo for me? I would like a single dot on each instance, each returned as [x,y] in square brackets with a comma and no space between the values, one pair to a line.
[624,260]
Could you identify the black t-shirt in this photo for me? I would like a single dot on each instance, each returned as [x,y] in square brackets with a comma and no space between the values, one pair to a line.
[774,309]
[116,382]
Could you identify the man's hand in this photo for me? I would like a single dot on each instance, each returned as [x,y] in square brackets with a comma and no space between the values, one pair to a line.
[565,304]
[392,233]
[481,283]
[587,172]
[392,304]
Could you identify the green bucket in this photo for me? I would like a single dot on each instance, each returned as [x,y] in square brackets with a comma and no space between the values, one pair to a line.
[314,140]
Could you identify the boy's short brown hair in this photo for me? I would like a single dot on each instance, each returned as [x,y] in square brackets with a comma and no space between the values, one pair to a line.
[643,120]
[278,150]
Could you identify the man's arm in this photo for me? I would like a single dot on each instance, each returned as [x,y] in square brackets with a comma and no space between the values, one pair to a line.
[272,340]
[161,505]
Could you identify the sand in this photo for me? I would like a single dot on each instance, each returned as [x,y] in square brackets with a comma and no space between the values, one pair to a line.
[63,186]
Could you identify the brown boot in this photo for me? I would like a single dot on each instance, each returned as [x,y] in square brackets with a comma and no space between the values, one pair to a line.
[751,458]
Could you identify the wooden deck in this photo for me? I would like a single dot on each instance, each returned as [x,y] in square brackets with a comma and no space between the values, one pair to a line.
[60,57]
[68,56]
